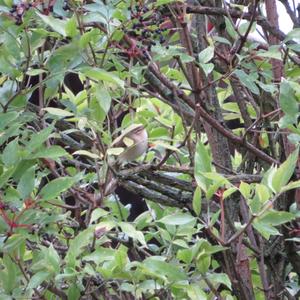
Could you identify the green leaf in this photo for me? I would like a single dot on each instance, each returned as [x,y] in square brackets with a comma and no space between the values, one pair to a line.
[273,52]
[39,138]
[166,146]
[77,245]
[88,37]
[71,27]
[163,2]
[207,68]
[294,34]
[203,263]
[215,177]
[52,152]
[186,255]
[291,186]
[8,275]
[294,138]
[181,243]
[55,187]
[186,58]
[69,273]
[243,27]
[97,214]
[26,183]
[132,232]
[265,230]
[195,293]
[58,112]
[10,154]
[101,75]
[157,266]
[11,131]
[276,218]
[255,205]
[262,193]
[220,279]
[115,151]
[221,40]
[245,190]
[87,153]
[176,219]
[5,176]
[7,118]
[287,121]
[215,217]
[100,255]
[285,171]
[103,97]
[217,182]
[52,258]
[128,141]
[269,88]
[13,243]
[197,201]
[56,24]
[229,192]
[247,81]
[202,165]
[206,55]
[288,101]
[121,258]
[34,72]
[73,292]
[230,29]
[268,177]
[37,279]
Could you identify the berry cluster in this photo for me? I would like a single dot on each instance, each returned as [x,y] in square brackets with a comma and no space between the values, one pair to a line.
[66,5]
[17,11]
[149,25]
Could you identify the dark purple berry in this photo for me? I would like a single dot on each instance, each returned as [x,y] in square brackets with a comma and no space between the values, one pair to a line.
[133,33]
[18,21]
[162,39]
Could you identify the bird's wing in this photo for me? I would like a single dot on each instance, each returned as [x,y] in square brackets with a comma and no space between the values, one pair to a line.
[119,141]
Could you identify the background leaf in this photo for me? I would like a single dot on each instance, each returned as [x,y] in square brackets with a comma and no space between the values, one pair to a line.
[55,187]
[202,165]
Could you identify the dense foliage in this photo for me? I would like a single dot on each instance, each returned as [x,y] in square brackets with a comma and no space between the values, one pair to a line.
[220,176]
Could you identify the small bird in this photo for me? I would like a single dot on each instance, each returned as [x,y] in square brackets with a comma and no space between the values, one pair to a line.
[132,143]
